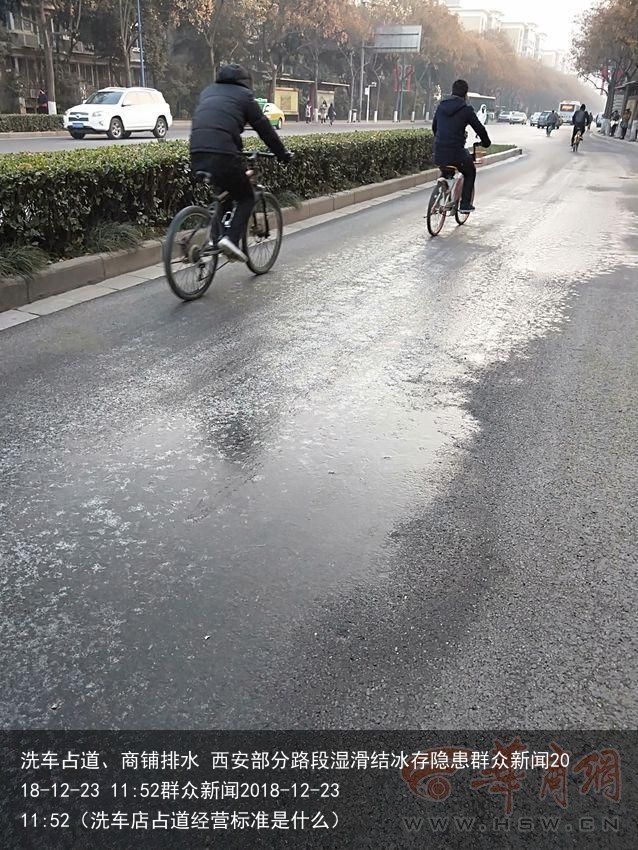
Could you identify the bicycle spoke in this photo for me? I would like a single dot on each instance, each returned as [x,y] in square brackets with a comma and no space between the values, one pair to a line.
[263,234]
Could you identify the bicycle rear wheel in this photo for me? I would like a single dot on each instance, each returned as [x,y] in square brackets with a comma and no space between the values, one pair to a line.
[264,232]
[436,211]
[190,259]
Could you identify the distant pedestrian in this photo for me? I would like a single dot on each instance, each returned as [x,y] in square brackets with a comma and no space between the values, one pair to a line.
[615,118]
[624,123]
[43,102]
[308,112]
[323,111]
[332,113]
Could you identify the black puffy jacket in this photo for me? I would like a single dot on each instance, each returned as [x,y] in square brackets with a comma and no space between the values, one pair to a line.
[222,113]
[579,118]
[451,118]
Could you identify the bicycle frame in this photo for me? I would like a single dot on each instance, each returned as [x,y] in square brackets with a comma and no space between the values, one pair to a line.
[221,220]
[453,187]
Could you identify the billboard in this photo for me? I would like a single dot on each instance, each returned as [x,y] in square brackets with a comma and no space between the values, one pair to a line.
[404,39]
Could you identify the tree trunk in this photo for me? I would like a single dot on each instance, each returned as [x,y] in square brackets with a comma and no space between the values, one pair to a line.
[316,97]
[74,29]
[126,21]
[126,59]
[47,47]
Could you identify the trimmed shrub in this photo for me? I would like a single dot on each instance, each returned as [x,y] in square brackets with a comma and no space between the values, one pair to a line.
[30,123]
[52,200]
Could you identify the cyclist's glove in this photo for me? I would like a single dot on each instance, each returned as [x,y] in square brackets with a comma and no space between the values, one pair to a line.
[287,157]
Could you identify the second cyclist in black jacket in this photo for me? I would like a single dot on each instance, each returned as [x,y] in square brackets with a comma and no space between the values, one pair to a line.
[225,108]
[452,117]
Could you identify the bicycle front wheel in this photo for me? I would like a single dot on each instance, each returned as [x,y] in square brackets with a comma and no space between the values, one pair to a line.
[436,211]
[264,232]
[460,217]
[190,257]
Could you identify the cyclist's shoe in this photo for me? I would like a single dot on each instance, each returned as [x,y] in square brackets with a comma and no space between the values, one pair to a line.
[231,250]
[466,208]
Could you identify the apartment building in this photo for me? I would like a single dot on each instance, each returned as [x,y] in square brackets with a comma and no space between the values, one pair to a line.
[23,72]
[477,20]
[556,59]
[525,38]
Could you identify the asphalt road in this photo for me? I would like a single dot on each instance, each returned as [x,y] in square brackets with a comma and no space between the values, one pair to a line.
[391,484]
[182,131]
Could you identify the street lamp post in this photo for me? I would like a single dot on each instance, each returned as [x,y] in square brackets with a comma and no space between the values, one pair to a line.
[140,41]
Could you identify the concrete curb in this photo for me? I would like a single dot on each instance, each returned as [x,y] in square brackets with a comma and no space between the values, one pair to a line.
[84,271]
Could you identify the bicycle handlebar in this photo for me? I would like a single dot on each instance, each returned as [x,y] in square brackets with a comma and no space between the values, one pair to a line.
[255,155]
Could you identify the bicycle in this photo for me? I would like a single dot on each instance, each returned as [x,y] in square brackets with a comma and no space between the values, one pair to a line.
[191,250]
[577,140]
[446,198]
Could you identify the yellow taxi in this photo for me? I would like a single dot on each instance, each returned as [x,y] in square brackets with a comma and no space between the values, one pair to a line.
[272,112]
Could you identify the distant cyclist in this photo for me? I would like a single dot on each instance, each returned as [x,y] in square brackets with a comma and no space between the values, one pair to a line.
[452,117]
[581,121]
[224,110]
[553,122]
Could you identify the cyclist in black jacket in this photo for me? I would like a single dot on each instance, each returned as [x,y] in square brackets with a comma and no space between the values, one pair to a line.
[224,110]
[580,120]
[451,118]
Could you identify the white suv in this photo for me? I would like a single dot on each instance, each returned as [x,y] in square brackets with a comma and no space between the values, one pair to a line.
[119,112]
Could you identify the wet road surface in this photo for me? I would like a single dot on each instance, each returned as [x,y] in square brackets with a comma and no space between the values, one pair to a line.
[392,484]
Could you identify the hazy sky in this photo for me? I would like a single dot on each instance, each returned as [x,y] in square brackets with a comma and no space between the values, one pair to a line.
[555,17]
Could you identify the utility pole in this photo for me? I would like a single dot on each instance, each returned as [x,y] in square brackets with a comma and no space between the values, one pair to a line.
[140,42]
[361,83]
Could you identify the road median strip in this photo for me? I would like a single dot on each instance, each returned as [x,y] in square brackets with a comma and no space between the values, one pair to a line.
[110,272]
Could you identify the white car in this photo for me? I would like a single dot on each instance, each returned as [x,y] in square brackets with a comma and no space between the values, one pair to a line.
[533,121]
[118,112]
[518,118]
[504,116]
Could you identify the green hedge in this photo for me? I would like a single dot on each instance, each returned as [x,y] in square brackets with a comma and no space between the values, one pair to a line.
[51,200]
[30,123]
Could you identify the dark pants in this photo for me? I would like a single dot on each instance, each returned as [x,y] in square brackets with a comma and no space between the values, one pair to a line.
[229,175]
[465,165]
[623,131]
[578,128]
